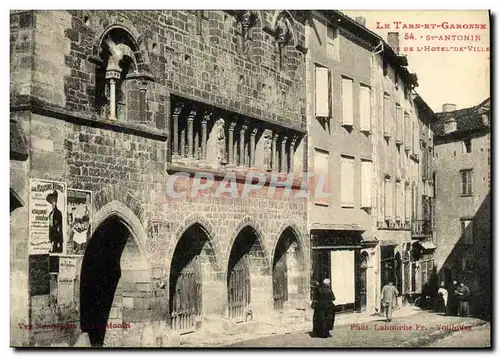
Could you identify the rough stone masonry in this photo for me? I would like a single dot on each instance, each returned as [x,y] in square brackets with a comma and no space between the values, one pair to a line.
[113,102]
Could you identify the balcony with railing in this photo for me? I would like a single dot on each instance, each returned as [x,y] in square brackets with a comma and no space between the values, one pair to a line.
[421,228]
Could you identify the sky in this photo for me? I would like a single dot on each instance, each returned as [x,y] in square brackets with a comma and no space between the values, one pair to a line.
[460,78]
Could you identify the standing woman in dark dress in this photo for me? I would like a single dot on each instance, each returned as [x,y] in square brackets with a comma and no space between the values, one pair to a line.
[324,313]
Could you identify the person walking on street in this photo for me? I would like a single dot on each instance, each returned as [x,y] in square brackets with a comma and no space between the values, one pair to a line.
[463,296]
[324,310]
[443,298]
[389,295]
[453,299]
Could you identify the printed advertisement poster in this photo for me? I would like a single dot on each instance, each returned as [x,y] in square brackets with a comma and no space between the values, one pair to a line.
[79,217]
[47,207]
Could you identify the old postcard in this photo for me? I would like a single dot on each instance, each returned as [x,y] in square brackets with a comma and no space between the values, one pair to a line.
[250,178]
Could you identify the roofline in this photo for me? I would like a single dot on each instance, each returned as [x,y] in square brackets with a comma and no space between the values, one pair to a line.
[371,37]
[419,101]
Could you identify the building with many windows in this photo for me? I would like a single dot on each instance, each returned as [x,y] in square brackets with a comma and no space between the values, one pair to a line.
[369,133]
[463,199]
[339,67]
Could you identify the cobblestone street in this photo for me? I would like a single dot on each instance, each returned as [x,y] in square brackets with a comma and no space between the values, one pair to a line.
[417,330]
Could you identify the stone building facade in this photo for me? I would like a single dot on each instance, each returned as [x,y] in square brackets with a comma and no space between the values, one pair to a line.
[403,174]
[339,68]
[370,132]
[117,108]
[463,200]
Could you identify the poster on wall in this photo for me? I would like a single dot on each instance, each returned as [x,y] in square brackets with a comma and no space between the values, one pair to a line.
[79,203]
[47,207]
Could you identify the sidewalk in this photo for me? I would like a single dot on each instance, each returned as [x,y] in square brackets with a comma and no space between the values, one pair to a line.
[256,329]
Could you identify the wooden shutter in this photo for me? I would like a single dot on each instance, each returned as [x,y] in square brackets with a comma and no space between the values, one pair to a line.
[364,108]
[321,92]
[321,170]
[387,116]
[347,181]
[330,95]
[347,102]
[366,186]
[388,193]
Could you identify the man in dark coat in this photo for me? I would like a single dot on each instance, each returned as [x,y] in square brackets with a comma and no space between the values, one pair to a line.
[55,225]
[453,299]
[324,310]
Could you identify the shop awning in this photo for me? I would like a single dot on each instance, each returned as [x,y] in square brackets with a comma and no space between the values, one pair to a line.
[427,245]
[18,147]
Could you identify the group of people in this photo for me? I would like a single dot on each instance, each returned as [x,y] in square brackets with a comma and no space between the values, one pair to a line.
[454,301]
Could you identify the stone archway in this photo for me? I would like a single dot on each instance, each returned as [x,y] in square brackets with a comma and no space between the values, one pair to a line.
[247,276]
[112,273]
[194,287]
[288,270]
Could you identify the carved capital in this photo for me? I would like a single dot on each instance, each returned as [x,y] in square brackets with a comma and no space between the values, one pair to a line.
[232,125]
[113,73]
[206,117]
[294,140]
[192,113]
[178,108]
[254,131]
[284,139]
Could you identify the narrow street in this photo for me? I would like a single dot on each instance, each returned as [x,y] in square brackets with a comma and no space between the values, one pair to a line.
[412,331]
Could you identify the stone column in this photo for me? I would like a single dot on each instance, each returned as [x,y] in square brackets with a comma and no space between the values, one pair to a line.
[204,122]
[112,75]
[242,144]
[292,150]
[283,154]
[183,141]
[142,101]
[274,159]
[232,125]
[175,129]
[190,121]
[252,147]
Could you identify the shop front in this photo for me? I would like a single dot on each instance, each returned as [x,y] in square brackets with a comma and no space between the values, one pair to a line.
[336,255]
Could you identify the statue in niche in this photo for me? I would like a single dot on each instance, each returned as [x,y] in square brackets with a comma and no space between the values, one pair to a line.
[221,141]
[267,149]
[117,51]
[282,31]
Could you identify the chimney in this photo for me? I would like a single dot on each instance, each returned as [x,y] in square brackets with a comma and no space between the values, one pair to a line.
[393,41]
[450,124]
[449,107]
[360,20]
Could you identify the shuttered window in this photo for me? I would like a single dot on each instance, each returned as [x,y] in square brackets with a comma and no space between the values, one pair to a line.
[399,123]
[387,116]
[347,102]
[347,181]
[388,195]
[366,184]
[323,92]
[321,176]
[365,108]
